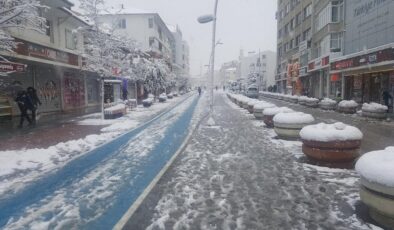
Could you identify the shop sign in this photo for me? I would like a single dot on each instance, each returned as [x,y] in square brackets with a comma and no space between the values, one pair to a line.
[12,67]
[335,77]
[318,63]
[362,60]
[43,52]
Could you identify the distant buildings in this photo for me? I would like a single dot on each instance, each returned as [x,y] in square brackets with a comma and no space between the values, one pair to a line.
[153,36]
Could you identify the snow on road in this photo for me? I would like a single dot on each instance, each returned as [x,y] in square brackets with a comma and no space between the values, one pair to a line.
[24,166]
[85,202]
[239,176]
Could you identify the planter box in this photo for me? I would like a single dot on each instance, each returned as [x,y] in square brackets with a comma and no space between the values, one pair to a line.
[250,109]
[374,114]
[381,207]
[268,120]
[332,151]
[288,131]
[312,104]
[328,106]
[258,114]
[347,110]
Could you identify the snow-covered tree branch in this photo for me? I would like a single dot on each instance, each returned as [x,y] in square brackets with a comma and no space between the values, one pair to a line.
[22,14]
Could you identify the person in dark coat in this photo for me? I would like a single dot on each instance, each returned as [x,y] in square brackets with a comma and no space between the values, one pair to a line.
[32,93]
[199,90]
[24,103]
[386,98]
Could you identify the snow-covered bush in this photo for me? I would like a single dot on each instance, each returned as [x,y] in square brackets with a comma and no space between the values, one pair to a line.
[19,14]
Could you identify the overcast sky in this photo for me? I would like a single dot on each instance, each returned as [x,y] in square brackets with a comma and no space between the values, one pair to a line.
[246,24]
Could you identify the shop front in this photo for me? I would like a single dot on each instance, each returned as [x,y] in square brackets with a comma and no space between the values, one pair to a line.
[367,76]
[318,71]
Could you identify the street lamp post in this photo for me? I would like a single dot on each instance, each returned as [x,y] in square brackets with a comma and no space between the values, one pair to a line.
[206,19]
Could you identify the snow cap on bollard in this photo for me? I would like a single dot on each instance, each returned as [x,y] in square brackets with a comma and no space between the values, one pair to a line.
[293,118]
[330,132]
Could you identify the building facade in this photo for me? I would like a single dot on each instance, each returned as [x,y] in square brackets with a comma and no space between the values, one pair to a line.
[294,20]
[147,29]
[51,62]
[366,69]
[310,35]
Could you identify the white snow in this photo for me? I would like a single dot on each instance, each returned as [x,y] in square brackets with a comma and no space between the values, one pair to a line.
[327,101]
[293,118]
[348,104]
[116,108]
[276,110]
[378,166]
[23,166]
[148,100]
[263,105]
[330,132]
[253,102]
[374,107]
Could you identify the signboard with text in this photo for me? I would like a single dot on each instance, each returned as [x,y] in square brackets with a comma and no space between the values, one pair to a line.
[11,67]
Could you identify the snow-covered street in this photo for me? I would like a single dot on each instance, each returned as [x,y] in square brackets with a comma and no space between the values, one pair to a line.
[95,190]
[238,175]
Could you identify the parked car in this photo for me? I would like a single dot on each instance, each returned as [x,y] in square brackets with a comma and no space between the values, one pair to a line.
[252,92]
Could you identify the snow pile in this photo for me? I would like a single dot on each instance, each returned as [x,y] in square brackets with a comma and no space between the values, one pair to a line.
[293,118]
[327,101]
[348,104]
[274,111]
[374,107]
[311,99]
[121,126]
[263,105]
[253,102]
[330,132]
[116,108]
[148,100]
[163,96]
[303,98]
[378,166]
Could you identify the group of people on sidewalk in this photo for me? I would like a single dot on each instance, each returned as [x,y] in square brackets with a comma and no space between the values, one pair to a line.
[28,100]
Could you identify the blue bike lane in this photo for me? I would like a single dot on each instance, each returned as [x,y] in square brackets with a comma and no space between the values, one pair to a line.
[94,191]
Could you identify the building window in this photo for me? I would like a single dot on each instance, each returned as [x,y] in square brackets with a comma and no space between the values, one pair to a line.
[151,41]
[298,40]
[336,42]
[292,24]
[298,19]
[306,35]
[71,40]
[291,44]
[150,21]
[337,11]
[122,24]
[307,11]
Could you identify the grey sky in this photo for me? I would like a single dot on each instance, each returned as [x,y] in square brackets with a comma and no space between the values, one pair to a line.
[247,24]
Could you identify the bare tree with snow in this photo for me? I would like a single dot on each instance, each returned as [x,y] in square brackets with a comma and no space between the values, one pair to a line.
[21,14]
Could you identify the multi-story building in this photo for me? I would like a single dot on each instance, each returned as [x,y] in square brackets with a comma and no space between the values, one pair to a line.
[147,28]
[261,66]
[310,34]
[327,44]
[51,62]
[294,19]
[180,52]
[366,69]
[186,58]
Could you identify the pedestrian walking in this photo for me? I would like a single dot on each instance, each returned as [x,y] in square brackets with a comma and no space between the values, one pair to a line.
[387,98]
[24,103]
[32,94]
[199,91]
